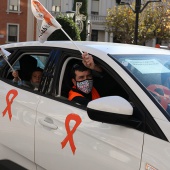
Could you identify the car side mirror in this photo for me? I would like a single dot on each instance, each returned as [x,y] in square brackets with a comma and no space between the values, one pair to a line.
[111,109]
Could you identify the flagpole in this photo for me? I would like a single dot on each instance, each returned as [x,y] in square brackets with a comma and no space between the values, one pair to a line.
[72,40]
[8,62]
[10,65]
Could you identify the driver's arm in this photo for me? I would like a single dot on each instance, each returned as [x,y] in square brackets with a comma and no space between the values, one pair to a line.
[89,62]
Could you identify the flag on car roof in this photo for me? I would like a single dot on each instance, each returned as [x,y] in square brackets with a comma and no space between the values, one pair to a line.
[49,23]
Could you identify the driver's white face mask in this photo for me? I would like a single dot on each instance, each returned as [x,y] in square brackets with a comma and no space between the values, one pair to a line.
[85,86]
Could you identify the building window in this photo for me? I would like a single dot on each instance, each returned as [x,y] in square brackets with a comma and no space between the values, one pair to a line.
[13,31]
[94,35]
[56,5]
[95,7]
[94,13]
[13,5]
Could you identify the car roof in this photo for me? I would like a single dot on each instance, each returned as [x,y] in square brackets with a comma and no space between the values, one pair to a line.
[94,47]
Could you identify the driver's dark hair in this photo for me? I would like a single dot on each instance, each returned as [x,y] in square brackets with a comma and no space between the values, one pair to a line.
[78,67]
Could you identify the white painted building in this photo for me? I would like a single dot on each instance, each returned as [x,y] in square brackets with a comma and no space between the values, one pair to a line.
[97,12]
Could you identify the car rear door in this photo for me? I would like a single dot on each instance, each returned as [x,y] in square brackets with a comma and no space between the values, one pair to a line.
[66,138]
[18,114]
[17,120]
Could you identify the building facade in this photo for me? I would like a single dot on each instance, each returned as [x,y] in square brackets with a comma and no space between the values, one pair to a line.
[15,21]
[18,24]
[97,12]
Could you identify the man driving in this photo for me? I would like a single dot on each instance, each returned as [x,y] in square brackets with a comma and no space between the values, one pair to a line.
[81,74]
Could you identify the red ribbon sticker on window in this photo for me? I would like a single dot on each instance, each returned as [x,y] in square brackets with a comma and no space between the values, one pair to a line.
[70,133]
[9,103]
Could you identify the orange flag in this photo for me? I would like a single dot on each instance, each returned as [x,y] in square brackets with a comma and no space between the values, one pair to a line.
[49,23]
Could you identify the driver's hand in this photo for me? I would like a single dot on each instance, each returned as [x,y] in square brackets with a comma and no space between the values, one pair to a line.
[88,61]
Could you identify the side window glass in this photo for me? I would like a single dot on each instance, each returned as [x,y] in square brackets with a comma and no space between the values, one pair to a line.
[66,83]
[102,82]
[28,70]
[2,60]
[41,62]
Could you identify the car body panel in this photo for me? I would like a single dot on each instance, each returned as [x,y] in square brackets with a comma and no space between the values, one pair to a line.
[17,134]
[112,146]
[35,134]
[155,153]
[165,126]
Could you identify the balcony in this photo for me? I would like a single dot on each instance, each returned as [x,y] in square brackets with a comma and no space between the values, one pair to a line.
[97,19]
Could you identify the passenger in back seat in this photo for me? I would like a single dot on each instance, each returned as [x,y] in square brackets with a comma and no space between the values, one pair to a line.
[34,80]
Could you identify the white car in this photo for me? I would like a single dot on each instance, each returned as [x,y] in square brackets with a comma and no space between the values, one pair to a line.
[128,128]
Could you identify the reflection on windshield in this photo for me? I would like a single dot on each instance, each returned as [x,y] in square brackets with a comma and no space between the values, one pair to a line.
[153,71]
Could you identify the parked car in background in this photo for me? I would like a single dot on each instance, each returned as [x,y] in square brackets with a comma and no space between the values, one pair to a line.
[127,128]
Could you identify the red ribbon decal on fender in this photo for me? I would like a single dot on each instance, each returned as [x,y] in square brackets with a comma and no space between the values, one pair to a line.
[69,136]
[9,103]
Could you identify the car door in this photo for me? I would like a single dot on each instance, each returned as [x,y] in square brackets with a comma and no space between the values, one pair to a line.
[66,138]
[18,114]
[17,132]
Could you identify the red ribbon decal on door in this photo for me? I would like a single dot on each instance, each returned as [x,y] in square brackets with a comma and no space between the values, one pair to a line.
[9,102]
[70,133]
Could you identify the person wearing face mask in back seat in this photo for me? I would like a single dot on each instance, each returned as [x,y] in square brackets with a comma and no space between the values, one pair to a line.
[83,91]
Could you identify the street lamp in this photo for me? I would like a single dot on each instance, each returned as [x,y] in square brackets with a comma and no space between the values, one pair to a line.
[137,10]
[70,14]
[88,30]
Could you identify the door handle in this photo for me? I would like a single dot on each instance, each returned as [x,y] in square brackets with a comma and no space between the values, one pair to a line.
[48,122]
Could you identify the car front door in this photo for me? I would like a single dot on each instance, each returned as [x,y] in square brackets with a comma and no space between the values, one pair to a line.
[66,138]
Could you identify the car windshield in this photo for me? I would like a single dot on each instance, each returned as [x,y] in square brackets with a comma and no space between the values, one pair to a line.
[153,72]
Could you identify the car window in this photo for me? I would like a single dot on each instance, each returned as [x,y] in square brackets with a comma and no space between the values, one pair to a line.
[41,62]
[103,82]
[2,60]
[25,64]
[66,82]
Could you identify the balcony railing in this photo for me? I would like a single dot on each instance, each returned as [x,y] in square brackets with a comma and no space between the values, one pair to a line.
[93,18]
[97,18]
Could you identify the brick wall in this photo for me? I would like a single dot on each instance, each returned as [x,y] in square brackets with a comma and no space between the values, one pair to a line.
[13,18]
